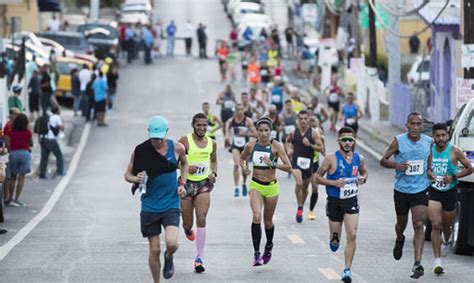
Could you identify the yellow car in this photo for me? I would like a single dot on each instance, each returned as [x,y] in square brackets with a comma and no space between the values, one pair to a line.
[64,66]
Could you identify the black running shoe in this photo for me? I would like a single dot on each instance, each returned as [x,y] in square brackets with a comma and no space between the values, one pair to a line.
[417,271]
[398,249]
[168,269]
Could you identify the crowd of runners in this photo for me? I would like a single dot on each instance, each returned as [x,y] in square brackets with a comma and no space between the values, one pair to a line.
[269,128]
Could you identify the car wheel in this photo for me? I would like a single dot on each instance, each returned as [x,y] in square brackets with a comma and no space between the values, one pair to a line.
[461,226]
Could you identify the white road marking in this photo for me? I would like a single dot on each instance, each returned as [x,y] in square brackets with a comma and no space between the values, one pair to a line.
[295,239]
[329,273]
[53,199]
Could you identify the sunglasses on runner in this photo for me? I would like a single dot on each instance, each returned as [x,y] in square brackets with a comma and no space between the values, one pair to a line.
[347,139]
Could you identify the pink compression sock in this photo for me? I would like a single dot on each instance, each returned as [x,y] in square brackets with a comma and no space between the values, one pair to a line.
[200,240]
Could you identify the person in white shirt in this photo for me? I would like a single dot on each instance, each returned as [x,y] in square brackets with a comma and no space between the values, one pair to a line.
[49,144]
[189,31]
[54,24]
[85,75]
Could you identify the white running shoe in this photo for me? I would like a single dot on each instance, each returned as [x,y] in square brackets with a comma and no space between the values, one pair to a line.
[446,248]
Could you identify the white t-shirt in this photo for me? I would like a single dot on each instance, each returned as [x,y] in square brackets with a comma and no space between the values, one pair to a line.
[84,77]
[54,24]
[54,121]
[188,31]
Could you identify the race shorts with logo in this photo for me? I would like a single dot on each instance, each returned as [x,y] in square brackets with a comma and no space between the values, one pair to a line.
[404,201]
[447,198]
[336,208]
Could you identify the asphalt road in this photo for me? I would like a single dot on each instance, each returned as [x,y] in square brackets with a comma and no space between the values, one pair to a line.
[92,233]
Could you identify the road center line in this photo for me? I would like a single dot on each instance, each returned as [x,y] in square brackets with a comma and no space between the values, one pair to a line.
[53,199]
[329,273]
[295,239]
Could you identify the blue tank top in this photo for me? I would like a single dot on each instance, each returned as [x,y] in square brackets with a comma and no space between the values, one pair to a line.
[441,166]
[161,192]
[416,153]
[349,111]
[348,171]
[277,95]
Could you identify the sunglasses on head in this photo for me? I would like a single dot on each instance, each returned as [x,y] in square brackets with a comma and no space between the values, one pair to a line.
[347,139]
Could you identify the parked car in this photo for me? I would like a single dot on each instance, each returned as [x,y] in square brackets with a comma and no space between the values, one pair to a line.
[419,71]
[64,66]
[70,40]
[232,4]
[245,8]
[59,49]
[103,37]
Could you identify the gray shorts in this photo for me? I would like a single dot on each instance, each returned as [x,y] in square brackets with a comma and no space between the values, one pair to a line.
[19,162]
[151,222]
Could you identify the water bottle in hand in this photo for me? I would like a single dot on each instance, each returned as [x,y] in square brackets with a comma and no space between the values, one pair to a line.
[142,186]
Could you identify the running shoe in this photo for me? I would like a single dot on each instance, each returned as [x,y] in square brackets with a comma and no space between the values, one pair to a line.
[14,204]
[446,248]
[310,215]
[267,254]
[168,269]
[438,269]
[190,235]
[417,271]
[347,275]
[299,215]
[244,190]
[19,203]
[334,243]
[199,265]
[257,259]
[398,249]
[236,192]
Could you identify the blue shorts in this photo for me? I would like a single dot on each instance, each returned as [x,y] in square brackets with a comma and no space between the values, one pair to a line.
[19,162]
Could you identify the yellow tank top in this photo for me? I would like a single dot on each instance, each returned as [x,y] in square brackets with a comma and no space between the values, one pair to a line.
[200,158]
[297,106]
[211,121]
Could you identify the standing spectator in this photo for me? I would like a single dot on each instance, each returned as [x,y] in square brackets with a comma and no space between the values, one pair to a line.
[100,98]
[76,90]
[289,42]
[123,45]
[84,77]
[18,141]
[34,94]
[158,33]
[46,90]
[233,36]
[148,44]
[112,77]
[171,33]
[414,43]
[275,39]
[90,99]
[49,144]
[429,45]
[129,42]
[188,36]
[30,67]
[54,24]
[14,100]
[13,113]
[202,40]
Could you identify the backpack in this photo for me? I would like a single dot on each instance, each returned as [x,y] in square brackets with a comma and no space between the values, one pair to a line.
[41,125]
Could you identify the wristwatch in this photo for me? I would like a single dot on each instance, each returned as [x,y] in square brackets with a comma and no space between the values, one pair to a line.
[215,174]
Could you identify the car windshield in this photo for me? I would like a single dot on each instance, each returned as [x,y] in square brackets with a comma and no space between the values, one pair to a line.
[64,68]
[98,31]
[424,66]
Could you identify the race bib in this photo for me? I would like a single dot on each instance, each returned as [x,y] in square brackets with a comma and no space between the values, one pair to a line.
[276,99]
[350,121]
[289,129]
[333,97]
[258,156]
[201,168]
[349,190]
[263,73]
[439,184]
[415,167]
[239,141]
[273,134]
[303,162]
[228,104]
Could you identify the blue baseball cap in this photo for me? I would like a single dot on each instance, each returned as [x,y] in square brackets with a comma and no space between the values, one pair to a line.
[157,127]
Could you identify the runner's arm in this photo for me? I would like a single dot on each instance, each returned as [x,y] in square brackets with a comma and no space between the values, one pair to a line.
[252,131]
[317,143]
[363,174]
[129,177]
[359,112]
[326,167]
[465,163]
[286,166]
[219,99]
[386,162]
[214,157]
[219,124]
[289,142]
[325,115]
[244,156]
[183,161]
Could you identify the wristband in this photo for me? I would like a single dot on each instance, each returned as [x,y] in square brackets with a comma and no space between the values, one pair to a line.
[455,177]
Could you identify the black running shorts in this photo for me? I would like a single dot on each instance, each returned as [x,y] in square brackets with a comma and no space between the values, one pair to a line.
[151,222]
[404,201]
[336,208]
[447,198]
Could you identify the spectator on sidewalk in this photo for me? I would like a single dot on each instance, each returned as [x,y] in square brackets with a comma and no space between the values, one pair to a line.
[19,142]
[46,89]
[202,40]
[171,33]
[90,110]
[188,33]
[112,77]
[14,100]
[100,98]
[30,67]
[85,75]
[129,42]
[233,36]
[49,144]
[148,42]
[76,90]
[289,32]
[2,179]
[13,113]
[158,35]
[414,43]
[34,95]
[54,24]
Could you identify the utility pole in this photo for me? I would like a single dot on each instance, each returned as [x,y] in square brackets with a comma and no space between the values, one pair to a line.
[468,32]
[373,38]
